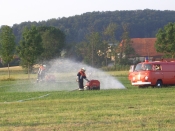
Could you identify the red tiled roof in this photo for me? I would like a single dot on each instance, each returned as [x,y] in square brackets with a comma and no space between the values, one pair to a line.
[145,47]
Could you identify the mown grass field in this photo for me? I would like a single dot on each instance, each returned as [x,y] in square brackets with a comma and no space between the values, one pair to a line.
[25,106]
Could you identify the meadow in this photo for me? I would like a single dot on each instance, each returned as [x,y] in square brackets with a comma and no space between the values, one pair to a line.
[29,106]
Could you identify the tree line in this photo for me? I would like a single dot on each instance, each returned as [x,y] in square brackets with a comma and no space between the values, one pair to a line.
[41,42]
[37,45]
[141,23]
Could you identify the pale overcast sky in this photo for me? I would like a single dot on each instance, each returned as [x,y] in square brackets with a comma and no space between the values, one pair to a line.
[18,11]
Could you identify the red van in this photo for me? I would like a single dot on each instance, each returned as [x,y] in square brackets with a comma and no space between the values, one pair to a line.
[155,73]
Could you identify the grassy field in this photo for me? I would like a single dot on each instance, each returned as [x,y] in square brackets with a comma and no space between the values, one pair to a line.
[26,106]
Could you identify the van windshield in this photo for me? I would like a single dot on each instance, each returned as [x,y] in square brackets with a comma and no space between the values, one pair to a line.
[141,67]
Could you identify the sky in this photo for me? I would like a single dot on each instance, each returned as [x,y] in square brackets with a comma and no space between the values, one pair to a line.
[18,11]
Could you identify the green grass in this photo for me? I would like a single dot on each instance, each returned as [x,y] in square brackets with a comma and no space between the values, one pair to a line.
[25,106]
[118,73]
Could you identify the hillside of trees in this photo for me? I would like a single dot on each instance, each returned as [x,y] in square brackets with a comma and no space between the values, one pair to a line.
[142,23]
[93,37]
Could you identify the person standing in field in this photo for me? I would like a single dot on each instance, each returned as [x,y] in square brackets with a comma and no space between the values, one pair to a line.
[41,73]
[80,76]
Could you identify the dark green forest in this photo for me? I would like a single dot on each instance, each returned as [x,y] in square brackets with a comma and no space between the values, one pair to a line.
[142,23]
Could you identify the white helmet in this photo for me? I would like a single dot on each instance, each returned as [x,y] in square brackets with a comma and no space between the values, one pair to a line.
[44,65]
[83,69]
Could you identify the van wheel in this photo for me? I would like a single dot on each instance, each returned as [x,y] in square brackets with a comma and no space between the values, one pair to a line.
[159,83]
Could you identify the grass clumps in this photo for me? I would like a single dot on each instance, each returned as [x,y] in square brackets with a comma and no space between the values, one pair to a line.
[8,79]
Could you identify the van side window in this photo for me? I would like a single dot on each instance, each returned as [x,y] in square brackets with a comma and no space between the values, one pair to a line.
[157,67]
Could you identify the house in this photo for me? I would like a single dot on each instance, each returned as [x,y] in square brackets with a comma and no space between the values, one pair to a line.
[145,47]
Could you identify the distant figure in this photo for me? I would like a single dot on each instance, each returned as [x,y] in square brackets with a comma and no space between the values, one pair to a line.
[41,73]
[80,76]
[158,67]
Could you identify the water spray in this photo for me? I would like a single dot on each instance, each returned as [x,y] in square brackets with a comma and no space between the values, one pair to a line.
[69,67]
[65,72]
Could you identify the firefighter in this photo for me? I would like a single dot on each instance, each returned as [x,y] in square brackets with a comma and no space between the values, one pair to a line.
[157,67]
[41,73]
[80,76]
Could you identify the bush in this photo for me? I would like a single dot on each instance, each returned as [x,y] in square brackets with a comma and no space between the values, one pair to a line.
[117,68]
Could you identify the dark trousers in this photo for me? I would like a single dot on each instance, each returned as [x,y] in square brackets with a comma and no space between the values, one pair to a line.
[80,83]
[41,76]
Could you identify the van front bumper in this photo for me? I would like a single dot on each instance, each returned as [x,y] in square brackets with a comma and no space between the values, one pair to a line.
[140,83]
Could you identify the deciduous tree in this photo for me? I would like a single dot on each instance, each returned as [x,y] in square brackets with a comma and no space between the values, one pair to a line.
[89,49]
[53,41]
[110,32]
[7,45]
[165,42]
[30,47]
[125,49]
